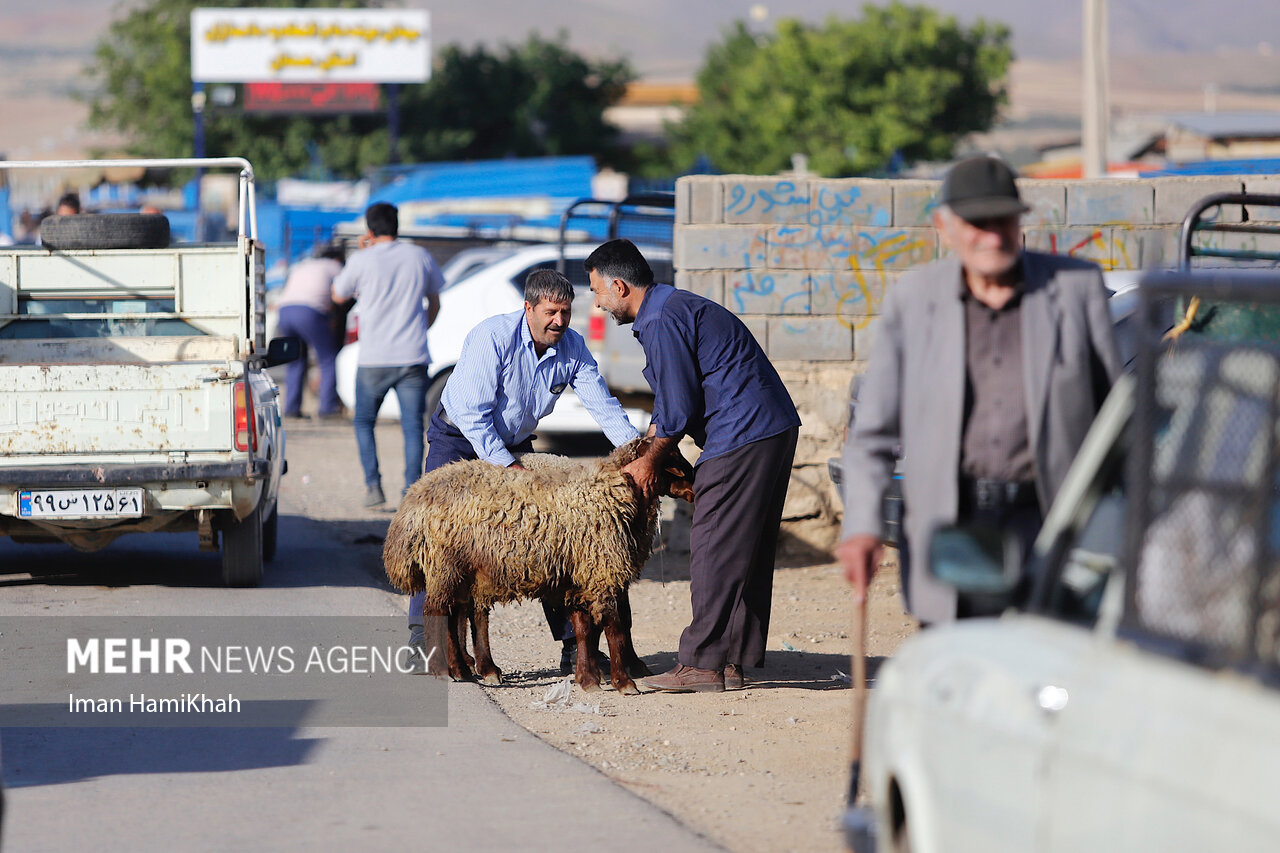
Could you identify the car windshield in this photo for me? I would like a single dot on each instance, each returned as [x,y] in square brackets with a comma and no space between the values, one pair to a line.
[466,264]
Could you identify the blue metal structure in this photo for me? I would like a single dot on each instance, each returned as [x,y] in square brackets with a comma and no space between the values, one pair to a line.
[1260,166]
[560,178]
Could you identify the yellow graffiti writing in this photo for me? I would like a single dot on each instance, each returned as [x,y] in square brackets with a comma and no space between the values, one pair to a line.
[324,63]
[223,32]
[856,306]
[844,313]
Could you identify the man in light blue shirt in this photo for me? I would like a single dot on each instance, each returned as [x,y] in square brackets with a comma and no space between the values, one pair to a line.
[512,371]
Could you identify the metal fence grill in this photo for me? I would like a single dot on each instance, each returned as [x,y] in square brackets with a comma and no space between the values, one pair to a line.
[1207,564]
[647,221]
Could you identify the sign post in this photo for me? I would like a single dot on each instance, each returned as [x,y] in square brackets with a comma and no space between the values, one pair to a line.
[309,46]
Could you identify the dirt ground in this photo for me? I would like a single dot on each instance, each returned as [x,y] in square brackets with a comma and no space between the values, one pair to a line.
[760,769]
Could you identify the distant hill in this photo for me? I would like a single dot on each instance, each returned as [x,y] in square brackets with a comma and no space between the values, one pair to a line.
[668,37]
[1171,45]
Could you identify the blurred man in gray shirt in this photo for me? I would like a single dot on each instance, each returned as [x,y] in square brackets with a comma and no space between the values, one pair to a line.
[397,287]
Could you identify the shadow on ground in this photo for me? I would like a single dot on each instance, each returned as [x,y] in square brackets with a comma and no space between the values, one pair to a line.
[788,670]
[782,670]
[55,756]
[310,553]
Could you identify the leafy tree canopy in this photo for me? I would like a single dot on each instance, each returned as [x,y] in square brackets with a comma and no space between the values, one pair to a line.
[537,98]
[847,94]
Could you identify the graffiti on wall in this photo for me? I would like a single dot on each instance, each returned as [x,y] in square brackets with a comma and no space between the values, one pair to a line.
[831,248]
[841,235]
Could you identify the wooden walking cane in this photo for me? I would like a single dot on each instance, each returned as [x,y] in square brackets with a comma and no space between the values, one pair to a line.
[858,670]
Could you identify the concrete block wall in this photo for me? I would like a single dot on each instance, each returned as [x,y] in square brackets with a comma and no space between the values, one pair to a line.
[806,262]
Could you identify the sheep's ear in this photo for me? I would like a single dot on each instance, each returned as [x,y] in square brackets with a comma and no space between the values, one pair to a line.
[682,490]
[680,487]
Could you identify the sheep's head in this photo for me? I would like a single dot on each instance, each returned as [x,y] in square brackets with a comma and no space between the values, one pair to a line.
[675,476]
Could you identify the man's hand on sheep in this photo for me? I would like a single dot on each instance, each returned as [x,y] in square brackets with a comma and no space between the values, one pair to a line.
[644,470]
[516,465]
[644,473]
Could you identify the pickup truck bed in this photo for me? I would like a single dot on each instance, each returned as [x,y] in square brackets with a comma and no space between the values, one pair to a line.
[134,395]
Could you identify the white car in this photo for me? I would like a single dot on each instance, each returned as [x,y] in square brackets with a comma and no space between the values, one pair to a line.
[473,293]
[1131,704]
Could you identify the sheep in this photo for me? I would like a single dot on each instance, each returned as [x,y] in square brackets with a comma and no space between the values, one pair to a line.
[473,534]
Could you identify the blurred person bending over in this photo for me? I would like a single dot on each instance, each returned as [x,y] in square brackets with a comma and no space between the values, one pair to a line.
[306,306]
[988,368]
[397,287]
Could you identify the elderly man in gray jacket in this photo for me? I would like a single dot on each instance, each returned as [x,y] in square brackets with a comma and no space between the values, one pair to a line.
[988,368]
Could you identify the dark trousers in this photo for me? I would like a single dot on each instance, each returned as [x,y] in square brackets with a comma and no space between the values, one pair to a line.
[733,541]
[1022,523]
[313,328]
[445,444]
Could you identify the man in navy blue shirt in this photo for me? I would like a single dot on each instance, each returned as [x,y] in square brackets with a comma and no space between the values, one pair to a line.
[712,382]
[512,371]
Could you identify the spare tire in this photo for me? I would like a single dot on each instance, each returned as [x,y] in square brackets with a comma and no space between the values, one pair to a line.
[105,231]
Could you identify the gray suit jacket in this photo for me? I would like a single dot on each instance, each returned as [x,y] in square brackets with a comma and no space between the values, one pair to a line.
[913,395]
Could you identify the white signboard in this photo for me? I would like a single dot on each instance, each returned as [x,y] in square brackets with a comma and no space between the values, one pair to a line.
[310,45]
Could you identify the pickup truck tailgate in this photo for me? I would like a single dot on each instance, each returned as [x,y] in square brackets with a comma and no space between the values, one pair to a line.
[114,408]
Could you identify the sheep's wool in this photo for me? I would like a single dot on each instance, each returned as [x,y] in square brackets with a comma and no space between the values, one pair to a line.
[473,531]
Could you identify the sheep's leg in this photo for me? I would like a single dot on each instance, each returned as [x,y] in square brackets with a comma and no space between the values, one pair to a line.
[485,667]
[459,669]
[466,614]
[586,673]
[636,668]
[436,637]
[619,651]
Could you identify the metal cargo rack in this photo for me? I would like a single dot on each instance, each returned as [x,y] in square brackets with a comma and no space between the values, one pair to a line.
[1195,224]
[647,219]
[1204,538]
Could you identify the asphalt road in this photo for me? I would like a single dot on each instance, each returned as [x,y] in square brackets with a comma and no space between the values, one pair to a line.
[481,783]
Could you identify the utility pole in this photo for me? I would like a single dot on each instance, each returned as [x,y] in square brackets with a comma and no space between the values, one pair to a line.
[393,124]
[198,103]
[1097,107]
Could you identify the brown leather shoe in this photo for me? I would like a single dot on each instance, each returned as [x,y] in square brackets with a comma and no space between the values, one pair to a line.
[687,679]
[733,677]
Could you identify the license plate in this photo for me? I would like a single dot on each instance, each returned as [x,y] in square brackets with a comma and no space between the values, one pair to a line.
[80,503]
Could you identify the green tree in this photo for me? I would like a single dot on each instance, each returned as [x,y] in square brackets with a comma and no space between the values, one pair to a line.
[847,94]
[534,99]
[538,98]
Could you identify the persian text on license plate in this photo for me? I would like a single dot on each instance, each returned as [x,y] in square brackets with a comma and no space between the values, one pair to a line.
[80,503]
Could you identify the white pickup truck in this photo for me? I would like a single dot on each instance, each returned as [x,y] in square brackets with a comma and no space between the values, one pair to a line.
[133,388]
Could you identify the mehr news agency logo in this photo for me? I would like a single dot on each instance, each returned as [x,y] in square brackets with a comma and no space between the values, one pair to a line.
[174,656]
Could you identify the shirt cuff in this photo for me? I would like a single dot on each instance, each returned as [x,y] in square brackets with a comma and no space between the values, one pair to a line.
[502,458]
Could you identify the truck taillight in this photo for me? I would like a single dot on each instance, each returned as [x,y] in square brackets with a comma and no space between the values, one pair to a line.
[595,328]
[246,428]
[353,331]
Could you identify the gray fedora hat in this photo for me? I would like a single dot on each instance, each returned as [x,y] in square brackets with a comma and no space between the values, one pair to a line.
[981,188]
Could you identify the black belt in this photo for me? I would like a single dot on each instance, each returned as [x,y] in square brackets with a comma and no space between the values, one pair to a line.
[983,494]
